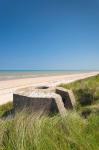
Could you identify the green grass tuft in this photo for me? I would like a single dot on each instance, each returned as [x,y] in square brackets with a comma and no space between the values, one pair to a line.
[6,107]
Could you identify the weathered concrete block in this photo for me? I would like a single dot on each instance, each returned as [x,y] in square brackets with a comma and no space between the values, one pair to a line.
[67,97]
[46,100]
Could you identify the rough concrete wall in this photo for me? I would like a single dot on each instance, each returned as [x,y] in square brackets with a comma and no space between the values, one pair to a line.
[55,100]
[46,105]
[67,97]
[60,105]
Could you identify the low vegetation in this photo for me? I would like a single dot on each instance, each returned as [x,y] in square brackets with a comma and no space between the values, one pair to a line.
[86,93]
[50,133]
[71,132]
[5,108]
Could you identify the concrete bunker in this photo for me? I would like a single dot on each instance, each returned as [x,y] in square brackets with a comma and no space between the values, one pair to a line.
[44,99]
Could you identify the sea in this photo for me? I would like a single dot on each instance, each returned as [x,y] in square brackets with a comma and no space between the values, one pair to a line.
[21,74]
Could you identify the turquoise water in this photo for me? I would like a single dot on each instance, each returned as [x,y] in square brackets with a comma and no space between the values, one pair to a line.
[19,74]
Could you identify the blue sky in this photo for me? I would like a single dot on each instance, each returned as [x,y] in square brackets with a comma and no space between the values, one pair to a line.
[49,34]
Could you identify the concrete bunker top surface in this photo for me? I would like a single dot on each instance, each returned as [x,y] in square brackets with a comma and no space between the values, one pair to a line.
[36,91]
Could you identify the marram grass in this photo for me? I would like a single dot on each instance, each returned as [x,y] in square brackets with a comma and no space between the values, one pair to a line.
[31,132]
[5,107]
[86,92]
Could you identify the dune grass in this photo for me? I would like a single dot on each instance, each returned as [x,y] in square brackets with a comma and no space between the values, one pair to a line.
[49,133]
[6,107]
[86,93]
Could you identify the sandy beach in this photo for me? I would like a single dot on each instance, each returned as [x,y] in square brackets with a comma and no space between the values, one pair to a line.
[8,87]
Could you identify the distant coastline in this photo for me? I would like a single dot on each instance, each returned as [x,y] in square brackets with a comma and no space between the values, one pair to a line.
[22,74]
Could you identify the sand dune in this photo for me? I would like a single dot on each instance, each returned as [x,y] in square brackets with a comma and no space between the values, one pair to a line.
[8,87]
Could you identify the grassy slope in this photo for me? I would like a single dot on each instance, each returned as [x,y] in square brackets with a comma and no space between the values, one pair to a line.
[50,133]
[86,93]
[55,133]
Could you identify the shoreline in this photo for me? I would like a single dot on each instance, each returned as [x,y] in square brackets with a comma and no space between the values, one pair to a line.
[8,87]
[14,75]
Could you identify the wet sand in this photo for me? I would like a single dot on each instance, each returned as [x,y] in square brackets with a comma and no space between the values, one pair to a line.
[8,87]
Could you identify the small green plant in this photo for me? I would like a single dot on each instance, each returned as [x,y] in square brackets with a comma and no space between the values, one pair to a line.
[84,96]
[6,107]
